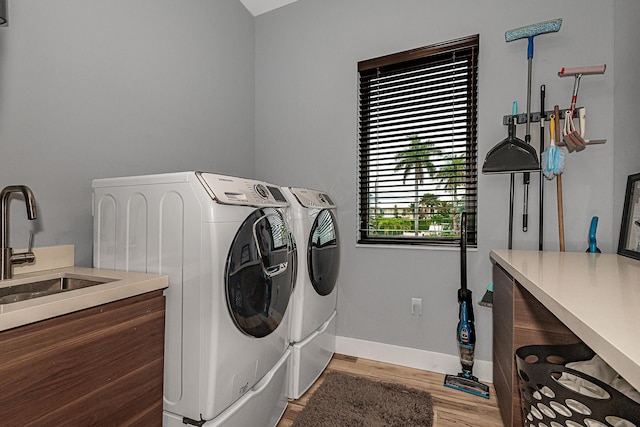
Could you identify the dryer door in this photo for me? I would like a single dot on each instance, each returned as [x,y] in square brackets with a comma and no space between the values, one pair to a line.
[260,272]
[323,254]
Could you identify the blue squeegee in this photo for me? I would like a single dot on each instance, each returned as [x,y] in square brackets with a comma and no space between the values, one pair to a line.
[552,26]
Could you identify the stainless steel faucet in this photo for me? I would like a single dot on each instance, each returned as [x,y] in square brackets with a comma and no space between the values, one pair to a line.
[7,257]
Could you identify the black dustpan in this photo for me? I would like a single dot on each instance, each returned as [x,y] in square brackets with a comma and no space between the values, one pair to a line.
[511,155]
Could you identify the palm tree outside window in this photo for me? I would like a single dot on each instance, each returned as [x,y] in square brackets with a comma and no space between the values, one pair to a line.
[417,146]
[416,161]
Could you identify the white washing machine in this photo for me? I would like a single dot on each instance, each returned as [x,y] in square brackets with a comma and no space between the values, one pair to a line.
[227,248]
[313,304]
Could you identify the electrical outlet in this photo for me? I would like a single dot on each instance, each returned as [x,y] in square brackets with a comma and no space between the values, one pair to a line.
[416,306]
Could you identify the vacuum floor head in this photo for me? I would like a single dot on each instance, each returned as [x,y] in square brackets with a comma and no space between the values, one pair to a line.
[468,384]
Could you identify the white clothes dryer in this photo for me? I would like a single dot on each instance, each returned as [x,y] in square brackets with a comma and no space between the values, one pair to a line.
[225,244]
[313,304]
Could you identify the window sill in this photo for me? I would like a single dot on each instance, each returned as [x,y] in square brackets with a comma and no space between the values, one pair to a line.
[415,247]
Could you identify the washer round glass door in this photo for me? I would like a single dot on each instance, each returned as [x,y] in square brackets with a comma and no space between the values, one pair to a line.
[323,253]
[260,272]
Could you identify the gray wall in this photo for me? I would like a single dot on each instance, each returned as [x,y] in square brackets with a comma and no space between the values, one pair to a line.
[626,94]
[94,89]
[306,135]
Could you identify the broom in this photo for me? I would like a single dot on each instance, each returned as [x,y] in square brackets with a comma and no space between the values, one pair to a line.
[556,112]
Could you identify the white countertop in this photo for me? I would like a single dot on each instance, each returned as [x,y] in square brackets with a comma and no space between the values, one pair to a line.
[596,295]
[121,285]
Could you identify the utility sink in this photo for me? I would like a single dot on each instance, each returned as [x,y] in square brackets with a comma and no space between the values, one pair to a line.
[44,287]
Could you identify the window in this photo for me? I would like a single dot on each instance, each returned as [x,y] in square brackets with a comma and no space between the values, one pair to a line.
[417,146]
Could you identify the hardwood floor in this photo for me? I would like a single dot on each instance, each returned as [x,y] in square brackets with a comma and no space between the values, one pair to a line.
[451,408]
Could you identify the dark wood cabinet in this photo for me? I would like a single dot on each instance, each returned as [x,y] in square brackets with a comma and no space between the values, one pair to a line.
[518,320]
[99,366]
[503,348]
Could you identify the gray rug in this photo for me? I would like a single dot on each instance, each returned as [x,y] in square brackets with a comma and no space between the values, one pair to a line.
[346,401]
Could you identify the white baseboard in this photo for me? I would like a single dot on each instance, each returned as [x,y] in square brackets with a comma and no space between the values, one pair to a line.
[410,357]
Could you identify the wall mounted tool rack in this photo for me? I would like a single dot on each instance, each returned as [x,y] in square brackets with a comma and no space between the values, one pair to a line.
[535,118]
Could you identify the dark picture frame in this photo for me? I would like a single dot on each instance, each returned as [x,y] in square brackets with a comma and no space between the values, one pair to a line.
[629,244]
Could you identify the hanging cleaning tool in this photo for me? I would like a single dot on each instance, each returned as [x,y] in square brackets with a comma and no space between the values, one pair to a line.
[552,157]
[571,137]
[540,176]
[465,334]
[556,112]
[593,246]
[529,32]
[512,178]
[582,119]
[574,139]
[511,154]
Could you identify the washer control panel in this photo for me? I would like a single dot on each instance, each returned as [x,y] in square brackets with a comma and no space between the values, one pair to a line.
[312,198]
[241,191]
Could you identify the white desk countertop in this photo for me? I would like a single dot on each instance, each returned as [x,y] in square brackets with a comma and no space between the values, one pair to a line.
[597,296]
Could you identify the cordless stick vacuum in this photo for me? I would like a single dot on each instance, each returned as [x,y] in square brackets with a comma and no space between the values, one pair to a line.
[466,334]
